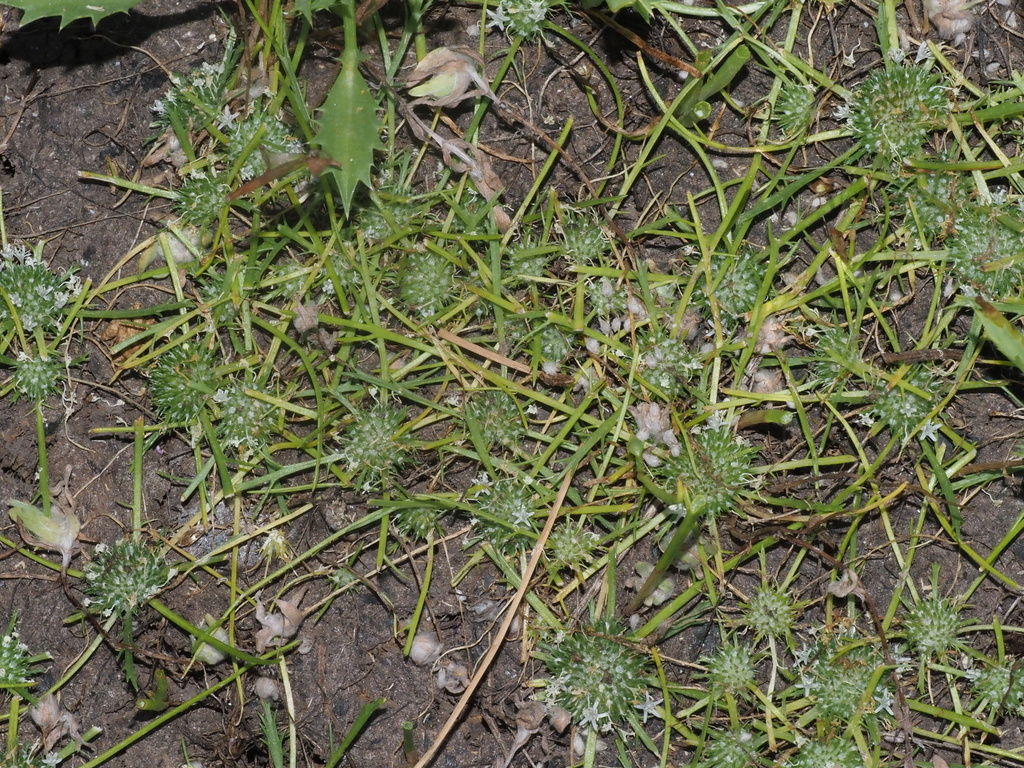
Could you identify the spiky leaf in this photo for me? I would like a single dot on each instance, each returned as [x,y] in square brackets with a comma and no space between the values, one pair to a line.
[69,10]
[348,131]
[308,7]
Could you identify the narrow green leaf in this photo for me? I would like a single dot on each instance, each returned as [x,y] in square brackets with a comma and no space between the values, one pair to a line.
[348,132]
[1007,339]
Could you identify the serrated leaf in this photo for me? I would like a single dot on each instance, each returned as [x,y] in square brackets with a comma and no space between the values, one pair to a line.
[1007,339]
[69,10]
[348,131]
[308,7]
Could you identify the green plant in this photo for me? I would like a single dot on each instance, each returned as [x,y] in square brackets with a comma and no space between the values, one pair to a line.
[595,675]
[182,381]
[894,109]
[123,576]
[520,18]
[17,665]
[933,626]
[31,292]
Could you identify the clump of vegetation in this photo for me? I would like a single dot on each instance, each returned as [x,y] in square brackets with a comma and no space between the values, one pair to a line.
[701,409]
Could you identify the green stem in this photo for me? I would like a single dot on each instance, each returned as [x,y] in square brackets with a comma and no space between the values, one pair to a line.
[412,754]
[140,447]
[672,553]
[205,636]
[44,472]
[157,722]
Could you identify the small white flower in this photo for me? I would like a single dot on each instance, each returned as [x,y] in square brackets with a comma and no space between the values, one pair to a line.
[884,701]
[593,719]
[649,707]
[803,655]
[865,420]
[930,431]
[227,118]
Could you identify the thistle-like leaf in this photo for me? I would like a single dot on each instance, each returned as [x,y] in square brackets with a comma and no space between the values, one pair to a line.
[348,131]
[69,10]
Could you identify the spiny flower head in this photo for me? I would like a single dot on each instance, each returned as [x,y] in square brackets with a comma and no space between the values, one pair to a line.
[730,669]
[999,687]
[932,201]
[794,108]
[195,98]
[835,753]
[505,515]
[771,612]
[275,138]
[25,757]
[835,345]
[16,664]
[736,280]
[584,241]
[426,282]
[571,546]
[36,378]
[932,626]
[902,409]
[837,684]
[122,576]
[201,197]
[606,299]
[370,446]
[528,258]
[243,422]
[181,382]
[596,676]
[984,253]
[895,107]
[496,416]
[416,521]
[670,364]
[729,749]
[520,18]
[34,293]
[714,472]
[282,280]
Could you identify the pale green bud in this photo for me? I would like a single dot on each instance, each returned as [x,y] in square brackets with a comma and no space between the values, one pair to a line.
[57,531]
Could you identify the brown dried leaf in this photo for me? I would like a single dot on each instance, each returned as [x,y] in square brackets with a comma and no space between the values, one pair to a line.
[54,722]
[278,628]
[847,584]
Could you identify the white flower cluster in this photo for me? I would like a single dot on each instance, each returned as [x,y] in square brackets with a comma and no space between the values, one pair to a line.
[519,18]
[13,661]
[33,292]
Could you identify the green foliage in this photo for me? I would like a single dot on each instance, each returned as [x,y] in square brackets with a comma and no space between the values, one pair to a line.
[31,292]
[17,665]
[595,675]
[69,10]
[122,576]
[348,130]
[1003,334]
[894,109]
